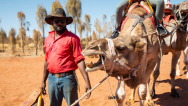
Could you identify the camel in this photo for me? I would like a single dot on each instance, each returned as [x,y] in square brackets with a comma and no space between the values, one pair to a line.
[174,44]
[185,61]
[131,57]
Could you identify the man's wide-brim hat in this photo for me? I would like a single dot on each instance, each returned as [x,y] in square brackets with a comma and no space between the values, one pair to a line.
[58,13]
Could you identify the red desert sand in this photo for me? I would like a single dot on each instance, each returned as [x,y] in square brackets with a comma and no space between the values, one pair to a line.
[21,75]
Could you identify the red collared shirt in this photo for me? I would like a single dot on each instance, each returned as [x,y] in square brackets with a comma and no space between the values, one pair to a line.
[63,53]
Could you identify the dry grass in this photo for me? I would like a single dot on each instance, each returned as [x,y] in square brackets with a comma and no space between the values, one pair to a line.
[29,50]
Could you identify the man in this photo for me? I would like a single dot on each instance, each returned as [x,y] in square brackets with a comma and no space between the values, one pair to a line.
[62,57]
[159,15]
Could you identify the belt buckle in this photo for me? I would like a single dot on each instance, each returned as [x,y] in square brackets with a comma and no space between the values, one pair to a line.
[57,75]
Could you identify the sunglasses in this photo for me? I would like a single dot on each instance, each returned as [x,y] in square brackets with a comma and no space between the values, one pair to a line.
[59,20]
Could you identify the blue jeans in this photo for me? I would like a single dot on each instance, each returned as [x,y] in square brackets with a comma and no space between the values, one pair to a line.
[62,87]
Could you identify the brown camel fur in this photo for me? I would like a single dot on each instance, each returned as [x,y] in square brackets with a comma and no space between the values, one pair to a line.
[137,50]
[174,44]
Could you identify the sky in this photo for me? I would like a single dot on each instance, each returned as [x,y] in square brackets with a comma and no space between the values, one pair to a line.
[94,8]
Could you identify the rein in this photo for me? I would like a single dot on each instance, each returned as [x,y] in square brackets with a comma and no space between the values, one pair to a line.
[115,59]
[182,19]
[179,24]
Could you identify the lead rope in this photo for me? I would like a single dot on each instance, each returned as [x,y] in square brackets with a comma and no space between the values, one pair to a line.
[106,75]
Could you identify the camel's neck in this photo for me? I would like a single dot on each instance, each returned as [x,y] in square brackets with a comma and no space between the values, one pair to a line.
[180,39]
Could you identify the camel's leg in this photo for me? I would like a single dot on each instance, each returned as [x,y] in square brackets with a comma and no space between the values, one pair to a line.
[120,92]
[175,57]
[156,73]
[131,98]
[149,101]
[185,52]
[178,68]
[144,94]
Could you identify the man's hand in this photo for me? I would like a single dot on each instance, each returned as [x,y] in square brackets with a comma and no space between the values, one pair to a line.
[82,67]
[45,75]
[87,88]
[43,86]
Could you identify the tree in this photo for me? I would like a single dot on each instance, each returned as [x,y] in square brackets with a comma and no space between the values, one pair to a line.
[41,14]
[80,28]
[12,34]
[99,31]
[2,36]
[55,4]
[87,25]
[113,21]
[21,17]
[73,8]
[22,35]
[104,18]
[104,25]
[36,38]
[97,25]
[94,36]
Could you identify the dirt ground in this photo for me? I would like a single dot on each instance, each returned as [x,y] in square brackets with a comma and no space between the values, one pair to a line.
[21,75]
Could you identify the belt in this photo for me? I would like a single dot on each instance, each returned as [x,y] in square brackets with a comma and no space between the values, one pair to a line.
[62,74]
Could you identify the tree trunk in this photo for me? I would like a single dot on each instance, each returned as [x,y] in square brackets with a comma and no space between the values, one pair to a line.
[3,43]
[80,36]
[87,38]
[43,39]
[36,49]
[22,44]
[75,29]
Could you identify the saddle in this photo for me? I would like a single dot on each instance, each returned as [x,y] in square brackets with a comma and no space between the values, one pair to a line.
[134,5]
[168,15]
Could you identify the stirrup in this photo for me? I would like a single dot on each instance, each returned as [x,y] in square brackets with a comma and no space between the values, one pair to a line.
[114,34]
[163,31]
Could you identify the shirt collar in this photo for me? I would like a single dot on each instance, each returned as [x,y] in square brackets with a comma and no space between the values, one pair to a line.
[52,33]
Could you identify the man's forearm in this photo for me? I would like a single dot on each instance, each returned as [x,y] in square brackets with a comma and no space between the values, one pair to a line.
[81,66]
[45,73]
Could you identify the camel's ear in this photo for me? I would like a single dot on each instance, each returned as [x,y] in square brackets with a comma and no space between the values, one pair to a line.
[140,45]
[173,8]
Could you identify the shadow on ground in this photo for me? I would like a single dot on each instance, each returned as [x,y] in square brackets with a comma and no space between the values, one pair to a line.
[166,100]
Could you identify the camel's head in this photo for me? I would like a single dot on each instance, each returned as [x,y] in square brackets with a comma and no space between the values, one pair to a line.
[129,50]
[181,10]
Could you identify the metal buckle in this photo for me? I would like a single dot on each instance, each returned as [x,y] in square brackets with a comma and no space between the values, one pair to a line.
[57,75]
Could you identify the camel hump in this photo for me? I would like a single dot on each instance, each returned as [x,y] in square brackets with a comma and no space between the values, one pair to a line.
[142,4]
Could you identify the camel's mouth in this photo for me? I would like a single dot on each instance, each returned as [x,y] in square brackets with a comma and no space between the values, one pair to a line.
[93,66]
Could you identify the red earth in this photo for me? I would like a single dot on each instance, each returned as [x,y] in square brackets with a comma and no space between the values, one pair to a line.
[21,75]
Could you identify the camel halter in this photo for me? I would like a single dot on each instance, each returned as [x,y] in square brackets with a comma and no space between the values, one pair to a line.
[181,18]
[115,59]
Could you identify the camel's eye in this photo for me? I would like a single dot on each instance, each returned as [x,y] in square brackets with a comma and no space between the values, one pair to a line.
[120,48]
